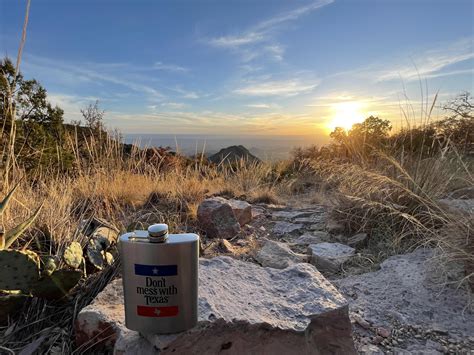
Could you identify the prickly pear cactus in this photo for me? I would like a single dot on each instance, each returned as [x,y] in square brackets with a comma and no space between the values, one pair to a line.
[57,285]
[19,270]
[73,255]
[96,249]
[109,258]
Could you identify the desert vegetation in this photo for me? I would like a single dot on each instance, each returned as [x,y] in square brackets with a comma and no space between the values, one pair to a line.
[56,175]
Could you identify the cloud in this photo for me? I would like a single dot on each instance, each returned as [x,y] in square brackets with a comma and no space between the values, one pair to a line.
[290,87]
[71,104]
[173,105]
[212,122]
[431,63]
[237,41]
[262,32]
[258,105]
[169,67]
[90,73]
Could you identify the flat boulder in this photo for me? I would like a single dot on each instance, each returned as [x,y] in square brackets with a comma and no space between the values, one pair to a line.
[216,218]
[329,256]
[242,211]
[408,291]
[283,228]
[307,238]
[278,255]
[243,309]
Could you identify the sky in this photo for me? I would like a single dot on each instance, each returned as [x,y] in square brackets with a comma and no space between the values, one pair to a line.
[237,68]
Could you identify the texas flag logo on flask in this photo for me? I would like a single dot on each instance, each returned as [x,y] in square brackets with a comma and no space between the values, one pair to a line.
[160,271]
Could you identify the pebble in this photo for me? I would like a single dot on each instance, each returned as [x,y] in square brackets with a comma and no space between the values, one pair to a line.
[383,332]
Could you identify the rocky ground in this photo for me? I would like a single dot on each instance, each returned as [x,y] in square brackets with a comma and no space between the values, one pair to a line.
[399,305]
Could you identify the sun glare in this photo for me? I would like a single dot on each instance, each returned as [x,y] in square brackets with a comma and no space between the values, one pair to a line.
[346,114]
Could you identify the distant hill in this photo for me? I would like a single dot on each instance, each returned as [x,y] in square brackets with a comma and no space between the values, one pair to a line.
[233,154]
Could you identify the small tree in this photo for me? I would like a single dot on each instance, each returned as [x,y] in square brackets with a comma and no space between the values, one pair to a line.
[94,117]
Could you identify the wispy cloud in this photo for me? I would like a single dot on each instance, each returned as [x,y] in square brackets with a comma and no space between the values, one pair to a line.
[169,67]
[289,87]
[174,105]
[72,74]
[431,63]
[263,32]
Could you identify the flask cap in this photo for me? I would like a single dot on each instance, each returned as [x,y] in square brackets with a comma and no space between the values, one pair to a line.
[158,233]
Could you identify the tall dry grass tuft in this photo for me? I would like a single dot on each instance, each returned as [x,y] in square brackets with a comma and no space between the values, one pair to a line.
[399,205]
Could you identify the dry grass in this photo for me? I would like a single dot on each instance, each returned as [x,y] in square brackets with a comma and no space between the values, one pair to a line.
[398,205]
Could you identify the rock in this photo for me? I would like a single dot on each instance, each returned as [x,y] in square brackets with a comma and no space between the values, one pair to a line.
[243,309]
[334,227]
[465,207]
[89,226]
[329,256]
[358,240]
[310,238]
[361,321]
[370,349]
[286,228]
[289,215]
[404,287]
[278,255]
[383,332]
[108,233]
[242,211]
[216,218]
[313,219]
[466,193]
[257,211]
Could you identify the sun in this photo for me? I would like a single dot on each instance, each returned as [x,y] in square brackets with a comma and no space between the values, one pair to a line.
[346,114]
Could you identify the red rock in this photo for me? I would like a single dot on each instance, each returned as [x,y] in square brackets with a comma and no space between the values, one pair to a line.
[216,218]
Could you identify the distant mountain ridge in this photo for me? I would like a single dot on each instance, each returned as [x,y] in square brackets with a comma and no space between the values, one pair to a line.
[233,154]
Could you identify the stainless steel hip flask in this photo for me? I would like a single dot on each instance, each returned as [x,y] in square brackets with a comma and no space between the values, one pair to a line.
[160,280]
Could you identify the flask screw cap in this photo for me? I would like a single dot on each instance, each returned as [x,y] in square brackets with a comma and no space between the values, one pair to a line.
[158,233]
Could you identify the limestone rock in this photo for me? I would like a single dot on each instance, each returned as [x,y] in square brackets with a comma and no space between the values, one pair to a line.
[216,218]
[282,228]
[329,256]
[278,255]
[243,309]
[242,211]
[406,290]
[370,349]
[466,193]
[357,240]
[289,215]
[310,238]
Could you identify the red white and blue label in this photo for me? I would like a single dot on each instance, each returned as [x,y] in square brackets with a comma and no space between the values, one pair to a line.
[156,270]
[157,288]
[158,312]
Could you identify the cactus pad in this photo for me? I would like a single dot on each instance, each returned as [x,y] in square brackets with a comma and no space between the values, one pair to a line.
[73,255]
[19,270]
[96,251]
[109,258]
[57,285]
